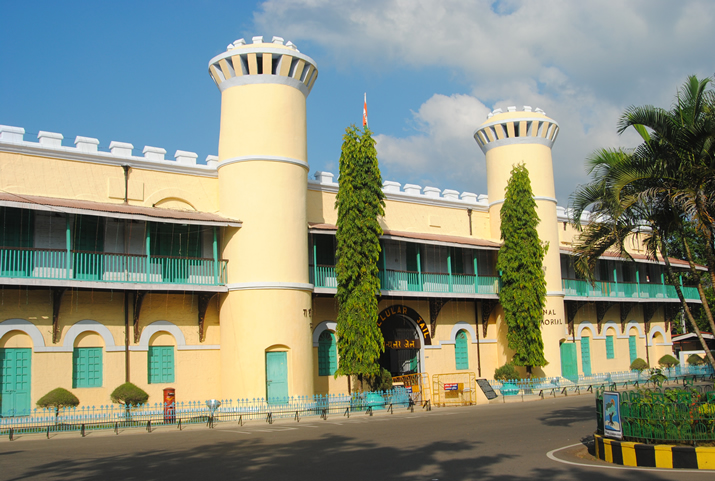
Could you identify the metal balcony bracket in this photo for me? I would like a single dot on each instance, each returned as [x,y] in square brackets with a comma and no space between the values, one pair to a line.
[204,301]
[488,306]
[57,293]
[648,312]
[625,310]
[572,308]
[601,310]
[435,305]
[138,300]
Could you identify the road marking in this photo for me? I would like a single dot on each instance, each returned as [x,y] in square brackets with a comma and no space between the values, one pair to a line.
[551,455]
[232,431]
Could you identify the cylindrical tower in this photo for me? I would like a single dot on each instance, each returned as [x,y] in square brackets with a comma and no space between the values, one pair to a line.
[266,347]
[508,139]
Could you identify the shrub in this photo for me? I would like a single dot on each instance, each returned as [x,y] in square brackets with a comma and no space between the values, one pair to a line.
[668,361]
[380,382]
[639,365]
[695,360]
[506,373]
[58,398]
[129,395]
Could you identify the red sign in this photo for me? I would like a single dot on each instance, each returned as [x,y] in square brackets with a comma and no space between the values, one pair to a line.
[452,386]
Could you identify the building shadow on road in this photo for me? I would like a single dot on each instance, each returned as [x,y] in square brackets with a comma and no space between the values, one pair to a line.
[566,417]
[329,457]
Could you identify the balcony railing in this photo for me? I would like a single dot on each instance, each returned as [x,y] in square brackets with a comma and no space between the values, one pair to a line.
[410,281]
[58,264]
[600,289]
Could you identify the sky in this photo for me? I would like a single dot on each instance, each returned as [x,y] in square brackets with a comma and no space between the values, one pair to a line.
[136,71]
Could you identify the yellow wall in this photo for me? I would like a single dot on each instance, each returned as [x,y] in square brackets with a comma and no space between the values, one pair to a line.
[69,179]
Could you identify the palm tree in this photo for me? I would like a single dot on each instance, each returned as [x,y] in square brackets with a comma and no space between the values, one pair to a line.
[666,183]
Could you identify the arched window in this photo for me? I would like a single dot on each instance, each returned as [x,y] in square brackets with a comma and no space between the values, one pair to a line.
[327,354]
[461,352]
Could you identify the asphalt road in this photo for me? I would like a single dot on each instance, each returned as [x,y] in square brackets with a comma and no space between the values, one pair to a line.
[491,442]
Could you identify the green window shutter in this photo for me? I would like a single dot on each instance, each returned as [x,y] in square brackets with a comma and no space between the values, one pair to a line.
[586,355]
[161,364]
[461,352]
[632,348]
[87,367]
[327,354]
[609,347]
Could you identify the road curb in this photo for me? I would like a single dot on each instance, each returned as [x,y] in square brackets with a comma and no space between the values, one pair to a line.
[653,455]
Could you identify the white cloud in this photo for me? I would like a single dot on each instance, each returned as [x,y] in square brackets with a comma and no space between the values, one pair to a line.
[582,62]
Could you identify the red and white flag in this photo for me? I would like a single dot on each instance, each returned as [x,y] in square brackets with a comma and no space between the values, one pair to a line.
[364,112]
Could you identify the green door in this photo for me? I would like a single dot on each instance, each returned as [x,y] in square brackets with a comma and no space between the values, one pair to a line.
[569,369]
[15,371]
[88,248]
[276,375]
[586,355]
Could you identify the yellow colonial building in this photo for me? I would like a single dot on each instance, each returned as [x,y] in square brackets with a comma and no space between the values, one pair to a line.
[217,278]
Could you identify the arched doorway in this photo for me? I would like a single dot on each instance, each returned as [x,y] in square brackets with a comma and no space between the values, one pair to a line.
[405,332]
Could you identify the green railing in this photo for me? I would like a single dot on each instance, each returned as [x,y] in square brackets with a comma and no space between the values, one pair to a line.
[57,264]
[410,281]
[600,289]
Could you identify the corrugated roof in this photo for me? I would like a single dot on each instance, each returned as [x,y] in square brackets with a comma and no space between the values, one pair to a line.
[394,234]
[640,258]
[118,210]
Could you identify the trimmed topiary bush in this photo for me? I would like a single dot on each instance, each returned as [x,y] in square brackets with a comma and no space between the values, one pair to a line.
[639,365]
[58,398]
[506,372]
[695,360]
[668,361]
[129,395]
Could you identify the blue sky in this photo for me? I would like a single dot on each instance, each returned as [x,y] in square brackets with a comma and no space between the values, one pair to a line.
[137,72]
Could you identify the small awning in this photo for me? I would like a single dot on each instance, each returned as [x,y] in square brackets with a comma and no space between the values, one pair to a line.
[117,211]
[679,263]
[418,237]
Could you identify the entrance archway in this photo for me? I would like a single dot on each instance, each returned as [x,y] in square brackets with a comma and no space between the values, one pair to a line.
[405,333]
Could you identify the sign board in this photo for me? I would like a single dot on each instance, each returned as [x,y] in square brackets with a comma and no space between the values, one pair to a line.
[451,386]
[403,344]
[487,388]
[612,426]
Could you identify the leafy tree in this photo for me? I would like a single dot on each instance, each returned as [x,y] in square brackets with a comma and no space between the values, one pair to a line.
[666,184]
[360,201]
[523,290]
[58,398]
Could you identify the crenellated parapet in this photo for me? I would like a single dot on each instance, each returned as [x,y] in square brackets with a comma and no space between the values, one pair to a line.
[516,127]
[12,139]
[263,62]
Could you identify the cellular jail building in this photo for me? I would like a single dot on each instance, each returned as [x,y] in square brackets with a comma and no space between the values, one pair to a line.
[218,278]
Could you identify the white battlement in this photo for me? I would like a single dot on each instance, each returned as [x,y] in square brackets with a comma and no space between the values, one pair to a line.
[409,192]
[525,108]
[121,153]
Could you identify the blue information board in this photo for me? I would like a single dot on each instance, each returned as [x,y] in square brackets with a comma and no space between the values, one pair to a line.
[612,426]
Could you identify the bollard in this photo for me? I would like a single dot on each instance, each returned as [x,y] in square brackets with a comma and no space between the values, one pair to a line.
[12,431]
[179,424]
[148,426]
[48,432]
[82,432]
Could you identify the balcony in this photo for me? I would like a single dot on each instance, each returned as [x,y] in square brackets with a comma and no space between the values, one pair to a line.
[63,265]
[625,290]
[409,281]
